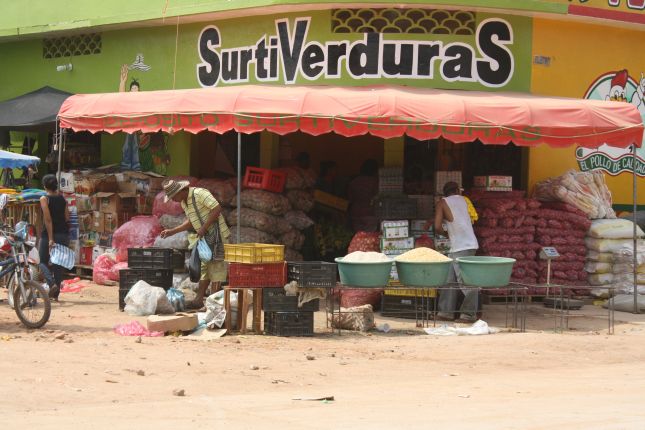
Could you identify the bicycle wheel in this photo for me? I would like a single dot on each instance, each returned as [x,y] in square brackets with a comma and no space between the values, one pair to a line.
[32,304]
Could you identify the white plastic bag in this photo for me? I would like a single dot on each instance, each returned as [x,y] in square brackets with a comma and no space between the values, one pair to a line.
[597,267]
[611,245]
[177,241]
[143,299]
[215,312]
[601,257]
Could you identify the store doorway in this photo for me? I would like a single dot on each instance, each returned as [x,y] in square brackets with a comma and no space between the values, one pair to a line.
[423,158]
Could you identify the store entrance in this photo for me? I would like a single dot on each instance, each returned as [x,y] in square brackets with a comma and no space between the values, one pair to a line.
[423,158]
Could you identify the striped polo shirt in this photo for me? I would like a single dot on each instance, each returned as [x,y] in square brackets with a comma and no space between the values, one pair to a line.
[206,203]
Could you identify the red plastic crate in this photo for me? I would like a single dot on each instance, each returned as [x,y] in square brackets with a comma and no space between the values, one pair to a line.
[257,275]
[264,179]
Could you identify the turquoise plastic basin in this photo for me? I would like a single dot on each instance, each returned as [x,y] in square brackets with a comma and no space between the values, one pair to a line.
[485,271]
[374,275]
[418,274]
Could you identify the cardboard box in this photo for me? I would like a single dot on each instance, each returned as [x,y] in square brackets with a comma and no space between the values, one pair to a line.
[97,222]
[96,184]
[146,183]
[145,203]
[105,240]
[493,181]
[112,221]
[67,184]
[116,202]
[83,203]
[396,246]
[85,222]
[442,245]
[395,229]
[172,323]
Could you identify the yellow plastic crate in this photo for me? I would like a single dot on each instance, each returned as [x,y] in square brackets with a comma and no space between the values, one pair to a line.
[411,292]
[330,200]
[253,253]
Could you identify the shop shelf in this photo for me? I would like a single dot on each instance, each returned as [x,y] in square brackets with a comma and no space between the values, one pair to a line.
[257,275]
[289,323]
[253,253]
[314,274]
[264,179]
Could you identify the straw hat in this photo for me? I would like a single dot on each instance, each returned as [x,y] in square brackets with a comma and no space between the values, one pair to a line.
[171,188]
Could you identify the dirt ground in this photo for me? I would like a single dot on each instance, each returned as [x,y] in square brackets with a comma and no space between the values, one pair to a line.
[76,373]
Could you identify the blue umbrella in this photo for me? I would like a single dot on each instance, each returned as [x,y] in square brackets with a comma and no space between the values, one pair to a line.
[15,161]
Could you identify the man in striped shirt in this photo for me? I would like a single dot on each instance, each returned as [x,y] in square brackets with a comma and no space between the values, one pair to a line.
[204,216]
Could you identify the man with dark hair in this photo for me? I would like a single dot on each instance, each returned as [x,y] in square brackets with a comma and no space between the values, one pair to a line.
[452,212]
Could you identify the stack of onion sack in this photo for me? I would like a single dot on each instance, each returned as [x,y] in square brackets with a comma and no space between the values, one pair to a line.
[564,227]
[267,217]
[367,242]
[506,228]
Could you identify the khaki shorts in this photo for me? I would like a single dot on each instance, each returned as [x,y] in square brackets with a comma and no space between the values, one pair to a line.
[214,271]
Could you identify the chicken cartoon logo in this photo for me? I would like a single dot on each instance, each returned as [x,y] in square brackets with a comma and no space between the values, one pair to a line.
[618,87]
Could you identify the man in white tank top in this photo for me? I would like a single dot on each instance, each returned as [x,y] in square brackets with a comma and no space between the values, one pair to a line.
[452,217]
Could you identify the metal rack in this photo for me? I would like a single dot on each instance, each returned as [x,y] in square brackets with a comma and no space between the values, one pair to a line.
[515,305]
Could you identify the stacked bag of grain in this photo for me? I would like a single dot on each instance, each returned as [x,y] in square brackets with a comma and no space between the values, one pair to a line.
[610,259]
[506,228]
[269,217]
[564,227]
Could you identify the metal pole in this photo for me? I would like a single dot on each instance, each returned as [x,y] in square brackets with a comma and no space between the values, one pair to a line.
[59,144]
[636,309]
[239,184]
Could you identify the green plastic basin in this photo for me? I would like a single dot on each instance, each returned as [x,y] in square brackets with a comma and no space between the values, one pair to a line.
[375,275]
[485,271]
[418,274]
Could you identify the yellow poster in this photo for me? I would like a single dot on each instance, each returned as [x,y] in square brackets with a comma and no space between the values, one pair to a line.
[594,62]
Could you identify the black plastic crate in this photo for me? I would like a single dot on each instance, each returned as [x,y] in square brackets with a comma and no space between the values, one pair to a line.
[313,274]
[179,261]
[155,277]
[289,323]
[395,207]
[276,300]
[409,307]
[150,258]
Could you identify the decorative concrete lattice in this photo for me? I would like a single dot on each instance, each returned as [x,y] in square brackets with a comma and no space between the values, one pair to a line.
[424,21]
[72,46]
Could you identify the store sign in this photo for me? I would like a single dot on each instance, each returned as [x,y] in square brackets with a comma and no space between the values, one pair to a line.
[289,54]
[620,87]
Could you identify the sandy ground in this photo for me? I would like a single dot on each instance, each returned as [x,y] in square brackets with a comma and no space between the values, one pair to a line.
[95,379]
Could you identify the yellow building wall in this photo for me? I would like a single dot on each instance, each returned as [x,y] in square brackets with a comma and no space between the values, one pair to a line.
[579,54]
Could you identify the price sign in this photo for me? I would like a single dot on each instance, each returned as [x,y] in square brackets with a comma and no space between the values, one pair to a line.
[548,253]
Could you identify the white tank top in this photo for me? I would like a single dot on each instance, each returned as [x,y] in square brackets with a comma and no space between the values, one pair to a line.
[460,230]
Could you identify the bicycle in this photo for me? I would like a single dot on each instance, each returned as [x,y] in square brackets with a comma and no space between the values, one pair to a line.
[29,299]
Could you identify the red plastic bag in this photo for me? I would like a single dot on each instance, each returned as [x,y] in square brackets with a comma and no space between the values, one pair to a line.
[102,267]
[114,271]
[139,232]
[135,328]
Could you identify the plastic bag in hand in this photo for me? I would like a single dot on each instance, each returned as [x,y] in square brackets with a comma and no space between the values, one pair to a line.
[139,232]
